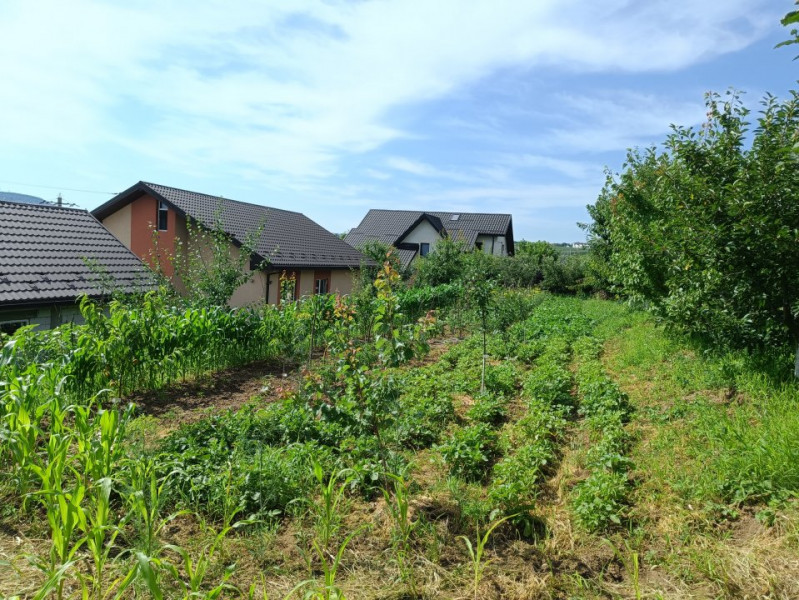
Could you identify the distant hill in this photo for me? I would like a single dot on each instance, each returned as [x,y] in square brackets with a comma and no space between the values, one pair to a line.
[22,198]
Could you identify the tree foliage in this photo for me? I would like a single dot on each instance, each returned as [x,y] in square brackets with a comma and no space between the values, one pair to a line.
[444,265]
[792,18]
[210,267]
[707,232]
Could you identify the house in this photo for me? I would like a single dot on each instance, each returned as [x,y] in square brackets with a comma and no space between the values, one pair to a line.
[50,256]
[289,242]
[416,233]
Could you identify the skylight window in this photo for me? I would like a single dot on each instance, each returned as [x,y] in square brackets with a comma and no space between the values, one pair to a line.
[454,217]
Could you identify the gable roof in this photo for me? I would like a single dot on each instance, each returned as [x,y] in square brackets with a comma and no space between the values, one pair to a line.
[289,239]
[391,226]
[44,251]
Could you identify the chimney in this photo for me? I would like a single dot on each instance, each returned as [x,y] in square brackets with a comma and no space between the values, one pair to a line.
[60,200]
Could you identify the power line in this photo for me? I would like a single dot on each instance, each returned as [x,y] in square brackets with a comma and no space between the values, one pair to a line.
[66,189]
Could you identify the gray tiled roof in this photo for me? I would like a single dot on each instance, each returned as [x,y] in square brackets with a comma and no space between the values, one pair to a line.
[288,239]
[388,226]
[405,257]
[44,252]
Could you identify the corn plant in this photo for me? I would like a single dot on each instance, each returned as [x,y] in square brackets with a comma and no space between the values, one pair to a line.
[20,436]
[101,532]
[398,503]
[476,554]
[326,513]
[144,499]
[327,522]
[196,569]
[329,589]
[65,515]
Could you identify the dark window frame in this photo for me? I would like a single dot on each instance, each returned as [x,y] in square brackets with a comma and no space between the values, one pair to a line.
[162,212]
[10,326]
[424,249]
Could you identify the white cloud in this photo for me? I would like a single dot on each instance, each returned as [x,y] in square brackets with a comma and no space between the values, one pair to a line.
[290,89]
[623,119]
[421,169]
[486,198]
[573,169]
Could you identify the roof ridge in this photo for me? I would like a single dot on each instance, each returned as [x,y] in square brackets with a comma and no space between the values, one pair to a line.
[151,184]
[433,212]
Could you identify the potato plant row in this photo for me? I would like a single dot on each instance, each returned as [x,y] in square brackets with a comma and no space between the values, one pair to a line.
[601,500]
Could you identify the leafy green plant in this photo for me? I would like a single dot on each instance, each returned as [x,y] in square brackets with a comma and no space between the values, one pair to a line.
[470,451]
[601,499]
[488,409]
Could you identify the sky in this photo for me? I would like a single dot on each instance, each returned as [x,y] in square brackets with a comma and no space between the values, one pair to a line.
[334,107]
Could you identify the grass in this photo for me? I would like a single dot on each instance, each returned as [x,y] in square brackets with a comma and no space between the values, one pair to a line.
[716,465]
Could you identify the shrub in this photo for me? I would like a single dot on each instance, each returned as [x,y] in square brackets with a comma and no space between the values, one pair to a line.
[445,264]
[488,409]
[565,275]
[416,301]
[600,500]
[423,417]
[470,451]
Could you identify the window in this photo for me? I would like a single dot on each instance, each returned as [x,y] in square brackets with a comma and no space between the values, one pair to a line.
[163,211]
[321,278]
[288,289]
[9,327]
[424,249]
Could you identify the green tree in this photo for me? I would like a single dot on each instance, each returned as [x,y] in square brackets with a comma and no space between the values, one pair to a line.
[707,232]
[537,250]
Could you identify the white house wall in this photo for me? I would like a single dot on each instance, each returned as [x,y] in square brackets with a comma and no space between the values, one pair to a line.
[493,244]
[423,233]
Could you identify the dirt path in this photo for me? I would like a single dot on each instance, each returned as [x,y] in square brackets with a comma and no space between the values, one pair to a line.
[215,393]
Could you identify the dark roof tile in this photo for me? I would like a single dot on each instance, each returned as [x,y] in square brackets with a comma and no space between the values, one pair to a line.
[46,252]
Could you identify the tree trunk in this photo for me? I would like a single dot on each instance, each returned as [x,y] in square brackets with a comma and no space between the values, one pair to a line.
[483,375]
[796,362]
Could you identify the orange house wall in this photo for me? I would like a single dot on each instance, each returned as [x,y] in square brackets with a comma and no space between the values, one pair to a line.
[142,224]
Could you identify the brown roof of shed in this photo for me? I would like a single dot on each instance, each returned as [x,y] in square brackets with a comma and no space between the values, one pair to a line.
[54,254]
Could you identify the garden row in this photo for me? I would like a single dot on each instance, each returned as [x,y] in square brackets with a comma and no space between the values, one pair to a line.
[601,499]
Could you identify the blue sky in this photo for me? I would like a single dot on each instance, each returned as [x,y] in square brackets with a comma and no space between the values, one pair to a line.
[331,108]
